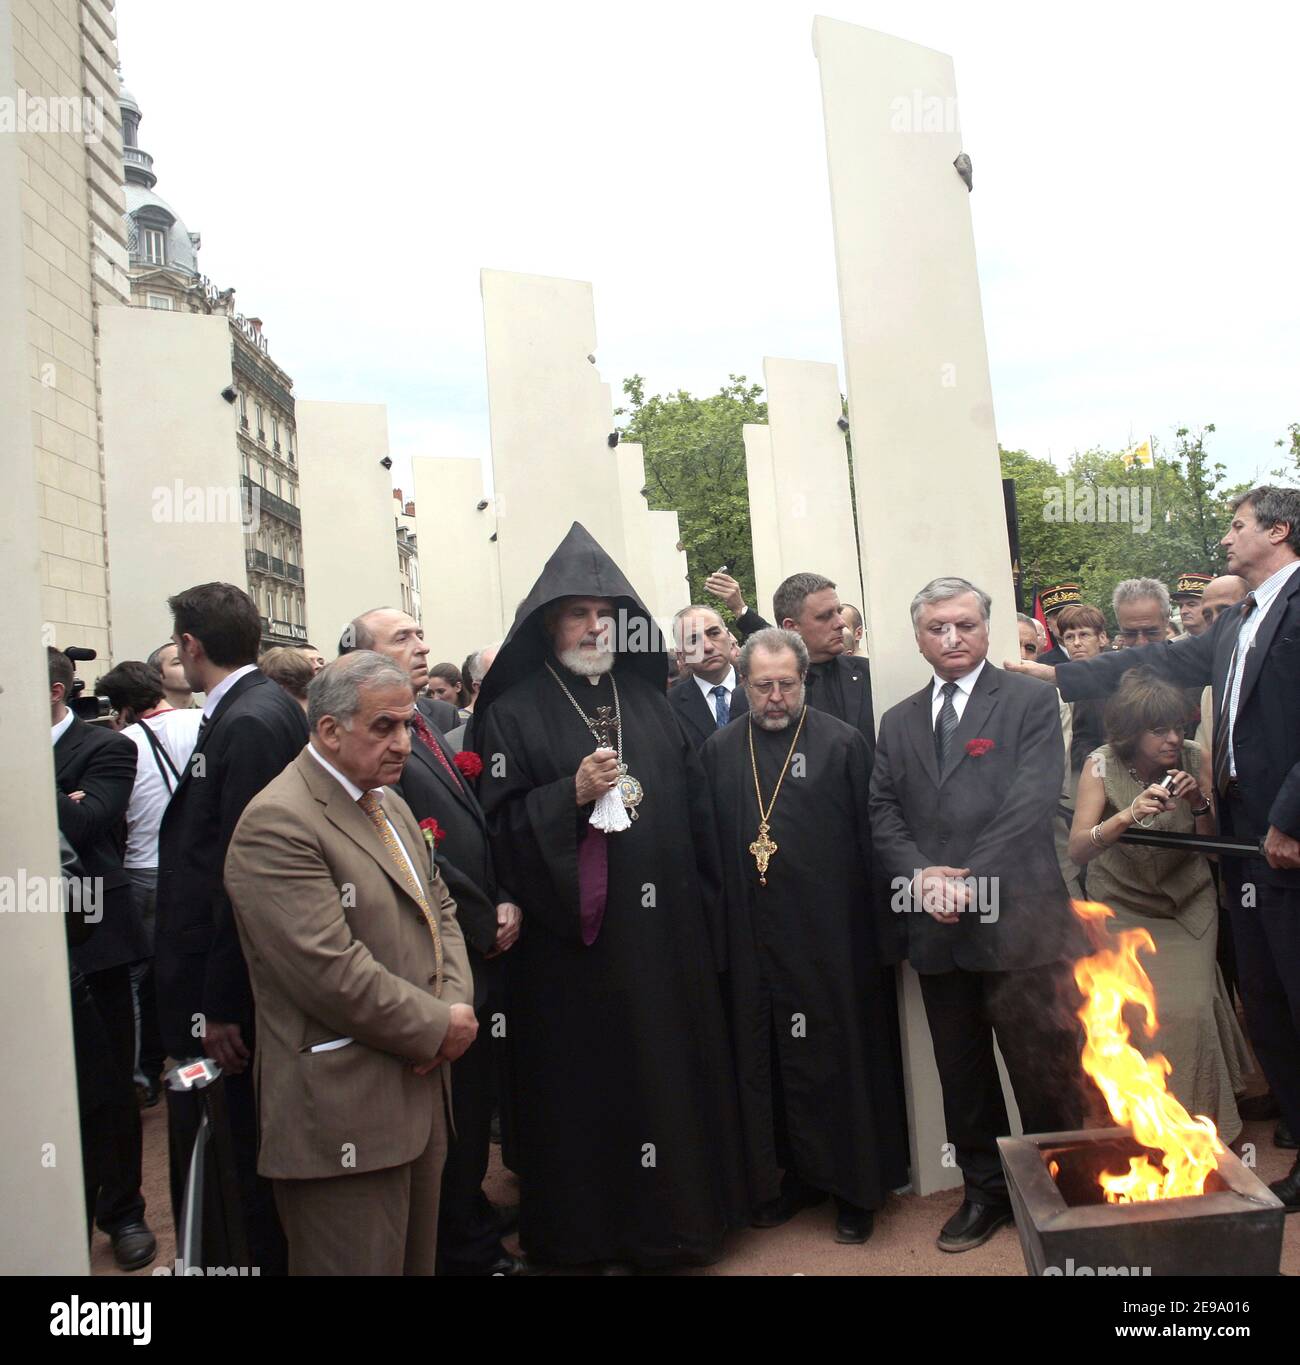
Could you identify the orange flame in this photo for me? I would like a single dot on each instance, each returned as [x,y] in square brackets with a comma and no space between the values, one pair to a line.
[1133,1085]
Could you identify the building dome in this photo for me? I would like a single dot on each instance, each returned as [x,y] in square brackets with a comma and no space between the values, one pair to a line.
[155,236]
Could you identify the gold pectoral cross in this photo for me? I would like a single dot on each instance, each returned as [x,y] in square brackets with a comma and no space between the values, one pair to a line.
[762,848]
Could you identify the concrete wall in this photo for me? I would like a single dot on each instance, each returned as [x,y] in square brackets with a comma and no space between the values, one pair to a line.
[74,258]
[810,473]
[765,533]
[349,544]
[920,402]
[670,589]
[550,418]
[175,507]
[459,594]
[40,1176]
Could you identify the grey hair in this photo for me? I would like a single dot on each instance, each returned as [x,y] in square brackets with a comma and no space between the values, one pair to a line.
[1025,620]
[155,659]
[1139,590]
[772,641]
[357,633]
[943,590]
[788,599]
[474,664]
[1271,505]
[686,611]
[336,689]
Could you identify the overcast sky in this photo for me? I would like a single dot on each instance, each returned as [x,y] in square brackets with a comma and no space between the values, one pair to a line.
[351,167]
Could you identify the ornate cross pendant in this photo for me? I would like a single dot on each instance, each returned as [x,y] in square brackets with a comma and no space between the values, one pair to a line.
[763,848]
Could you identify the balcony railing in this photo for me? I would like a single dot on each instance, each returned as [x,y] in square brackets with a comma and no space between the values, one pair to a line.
[256,559]
[277,566]
[294,572]
[269,502]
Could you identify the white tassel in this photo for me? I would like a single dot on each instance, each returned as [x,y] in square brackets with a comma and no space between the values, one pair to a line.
[610,813]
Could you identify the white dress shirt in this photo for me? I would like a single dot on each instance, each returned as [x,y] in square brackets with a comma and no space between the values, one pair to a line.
[965,685]
[356,794]
[729,682]
[1265,595]
[58,731]
[214,697]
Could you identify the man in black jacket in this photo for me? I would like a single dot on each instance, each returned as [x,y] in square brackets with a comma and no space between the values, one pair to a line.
[1251,658]
[709,695]
[838,683]
[251,730]
[94,770]
[434,786]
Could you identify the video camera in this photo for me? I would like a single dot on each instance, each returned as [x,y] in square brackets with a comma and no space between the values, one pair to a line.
[87,707]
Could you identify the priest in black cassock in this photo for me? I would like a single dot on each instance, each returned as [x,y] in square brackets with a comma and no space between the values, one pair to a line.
[811,998]
[628,1135]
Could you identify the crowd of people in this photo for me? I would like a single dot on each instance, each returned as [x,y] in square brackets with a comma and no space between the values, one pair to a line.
[637,906]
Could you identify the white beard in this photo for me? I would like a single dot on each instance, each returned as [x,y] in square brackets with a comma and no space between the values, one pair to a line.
[585,663]
[771,723]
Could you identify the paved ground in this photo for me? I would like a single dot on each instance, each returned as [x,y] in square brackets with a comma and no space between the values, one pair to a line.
[903,1242]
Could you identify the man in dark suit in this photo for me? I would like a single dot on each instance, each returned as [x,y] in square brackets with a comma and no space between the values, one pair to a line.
[708,696]
[1251,658]
[469,1230]
[967,776]
[251,729]
[838,683]
[94,771]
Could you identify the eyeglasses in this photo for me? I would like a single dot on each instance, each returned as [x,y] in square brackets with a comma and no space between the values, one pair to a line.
[786,686]
[1146,633]
[1176,730]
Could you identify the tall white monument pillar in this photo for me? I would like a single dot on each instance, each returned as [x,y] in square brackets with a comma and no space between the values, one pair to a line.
[925,454]
[551,418]
[764,531]
[810,473]
[461,595]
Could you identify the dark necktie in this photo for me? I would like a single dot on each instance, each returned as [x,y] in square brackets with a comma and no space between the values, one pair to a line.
[721,707]
[946,724]
[421,727]
[1223,725]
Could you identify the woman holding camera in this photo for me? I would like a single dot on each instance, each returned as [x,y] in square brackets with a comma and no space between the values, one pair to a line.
[1148,776]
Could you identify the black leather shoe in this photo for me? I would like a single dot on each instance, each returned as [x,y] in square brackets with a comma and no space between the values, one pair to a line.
[134,1246]
[1288,1189]
[509,1266]
[972,1225]
[1284,1137]
[785,1206]
[853,1225]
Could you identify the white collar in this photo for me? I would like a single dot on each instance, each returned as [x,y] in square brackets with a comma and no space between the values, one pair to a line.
[966,682]
[214,697]
[706,687]
[342,779]
[1272,585]
[58,731]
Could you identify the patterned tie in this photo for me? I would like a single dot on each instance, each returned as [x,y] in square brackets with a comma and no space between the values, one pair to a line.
[947,723]
[374,809]
[1231,688]
[721,707]
[421,727]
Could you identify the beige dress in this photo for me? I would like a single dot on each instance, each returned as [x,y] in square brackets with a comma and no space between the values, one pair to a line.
[1171,895]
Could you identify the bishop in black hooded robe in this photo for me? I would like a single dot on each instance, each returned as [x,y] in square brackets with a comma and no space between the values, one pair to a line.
[628,1137]
[810,989]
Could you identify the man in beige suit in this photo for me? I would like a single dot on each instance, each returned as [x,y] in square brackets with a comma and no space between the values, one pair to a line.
[362,985]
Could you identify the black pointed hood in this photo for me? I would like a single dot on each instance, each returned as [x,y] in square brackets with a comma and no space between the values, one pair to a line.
[579,567]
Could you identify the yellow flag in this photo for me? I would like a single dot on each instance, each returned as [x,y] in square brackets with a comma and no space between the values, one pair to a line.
[1140,455]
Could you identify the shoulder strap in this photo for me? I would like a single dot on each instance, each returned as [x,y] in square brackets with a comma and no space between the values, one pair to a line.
[161,757]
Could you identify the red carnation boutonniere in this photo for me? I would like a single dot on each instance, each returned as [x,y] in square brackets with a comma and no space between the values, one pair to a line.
[433,832]
[468,764]
[977,748]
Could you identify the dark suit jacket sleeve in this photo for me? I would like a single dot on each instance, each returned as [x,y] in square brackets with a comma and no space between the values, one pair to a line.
[890,833]
[457,978]
[474,912]
[107,780]
[291,914]
[750,623]
[1036,788]
[1189,663]
[1284,813]
[252,757]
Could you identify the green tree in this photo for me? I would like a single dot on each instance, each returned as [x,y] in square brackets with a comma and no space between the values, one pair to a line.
[695,466]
